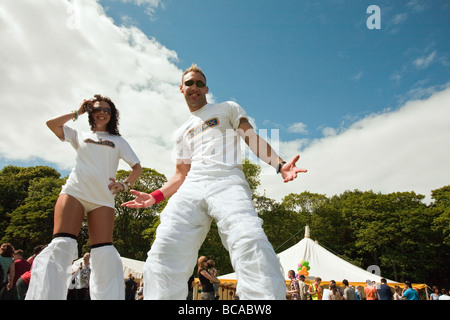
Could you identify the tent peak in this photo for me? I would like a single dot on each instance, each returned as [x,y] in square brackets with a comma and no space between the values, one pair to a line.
[306,231]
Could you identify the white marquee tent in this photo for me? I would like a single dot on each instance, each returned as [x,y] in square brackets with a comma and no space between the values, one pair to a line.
[322,263]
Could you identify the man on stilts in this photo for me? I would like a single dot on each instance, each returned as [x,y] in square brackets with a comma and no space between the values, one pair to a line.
[209,184]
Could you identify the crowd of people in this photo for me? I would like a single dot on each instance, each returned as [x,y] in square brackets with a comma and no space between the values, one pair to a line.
[299,290]
[15,274]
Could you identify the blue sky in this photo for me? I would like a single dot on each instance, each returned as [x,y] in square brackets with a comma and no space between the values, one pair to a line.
[313,62]
[366,109]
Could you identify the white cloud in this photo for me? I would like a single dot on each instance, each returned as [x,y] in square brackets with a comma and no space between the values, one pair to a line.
[298,127]
[149,5]
[399,18]
[423,62]
[55,55]
[357,76]
[396,76]
[416,5]
[403,150]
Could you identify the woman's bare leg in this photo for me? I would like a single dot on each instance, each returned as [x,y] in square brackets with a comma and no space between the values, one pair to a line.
[69,215]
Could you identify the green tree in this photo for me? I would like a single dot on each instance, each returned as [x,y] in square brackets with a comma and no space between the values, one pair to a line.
[31,223]
[441,206]
[134,229]
[389,231]
[440,209]
[14,184]
[282,227]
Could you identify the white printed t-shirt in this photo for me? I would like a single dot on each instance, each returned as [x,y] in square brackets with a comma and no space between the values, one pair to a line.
[209,140]
[98,155]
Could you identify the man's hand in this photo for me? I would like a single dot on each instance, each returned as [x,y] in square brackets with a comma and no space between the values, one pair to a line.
[289,170]
[142,200]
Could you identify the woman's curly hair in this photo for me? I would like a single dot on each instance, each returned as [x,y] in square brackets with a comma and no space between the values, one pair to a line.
[113,125]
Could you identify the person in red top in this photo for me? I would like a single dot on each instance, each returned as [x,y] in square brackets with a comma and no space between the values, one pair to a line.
[24,280]
[21,265]
[370,290]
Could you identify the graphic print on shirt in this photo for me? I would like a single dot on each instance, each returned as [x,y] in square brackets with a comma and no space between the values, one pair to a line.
[208,124]
[101,142]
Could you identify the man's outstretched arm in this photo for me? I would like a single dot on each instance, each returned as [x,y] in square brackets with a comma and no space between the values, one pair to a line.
[264,151]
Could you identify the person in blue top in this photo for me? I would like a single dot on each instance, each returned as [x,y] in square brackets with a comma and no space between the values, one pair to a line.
[409,293]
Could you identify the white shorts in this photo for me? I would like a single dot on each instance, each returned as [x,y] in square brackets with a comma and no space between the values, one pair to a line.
[88,206]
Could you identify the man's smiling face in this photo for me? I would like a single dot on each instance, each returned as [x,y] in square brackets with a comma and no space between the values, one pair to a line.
[195,95]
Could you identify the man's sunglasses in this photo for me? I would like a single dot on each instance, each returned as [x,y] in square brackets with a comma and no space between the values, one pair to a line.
[198,83]
[98,109]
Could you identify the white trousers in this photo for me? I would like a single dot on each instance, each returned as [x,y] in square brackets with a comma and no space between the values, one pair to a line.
[52,272]
[185,222]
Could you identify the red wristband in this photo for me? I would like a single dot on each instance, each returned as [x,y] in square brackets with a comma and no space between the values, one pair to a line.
[158,195]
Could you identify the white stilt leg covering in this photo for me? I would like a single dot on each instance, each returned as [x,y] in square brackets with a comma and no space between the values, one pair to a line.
[107,280]
[52,270]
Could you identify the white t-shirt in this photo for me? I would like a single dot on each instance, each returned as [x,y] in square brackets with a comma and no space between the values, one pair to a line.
[209,140]
[98,155]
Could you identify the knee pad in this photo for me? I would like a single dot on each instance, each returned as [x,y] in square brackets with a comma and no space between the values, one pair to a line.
[52,270]
[107,279]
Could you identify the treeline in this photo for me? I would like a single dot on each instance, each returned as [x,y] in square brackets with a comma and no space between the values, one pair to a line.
[406,238]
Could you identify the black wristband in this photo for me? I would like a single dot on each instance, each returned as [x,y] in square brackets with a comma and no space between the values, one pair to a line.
[282,163]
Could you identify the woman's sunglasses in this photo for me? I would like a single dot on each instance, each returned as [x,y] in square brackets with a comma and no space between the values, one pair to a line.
[198,83]
[98,109]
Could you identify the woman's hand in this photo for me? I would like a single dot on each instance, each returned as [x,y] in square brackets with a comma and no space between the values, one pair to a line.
[114,186]
[85,106]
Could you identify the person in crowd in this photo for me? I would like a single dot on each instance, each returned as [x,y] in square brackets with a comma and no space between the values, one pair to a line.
[24,280]
[358,292]
[303,287]
[89,190]
[409,293]
[444,294]
[398,293]
[36,250]
[435,293]
[315,290]
[206,279]
[20,267]
[130,288]
[8,269]
[294,290]
[370,291]
[384,291]
[349,292]
[140,292]
[337,288]
[212,270]
[79,287]
[334,293]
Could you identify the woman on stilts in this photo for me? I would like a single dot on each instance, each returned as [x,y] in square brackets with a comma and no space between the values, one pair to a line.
[89,190]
